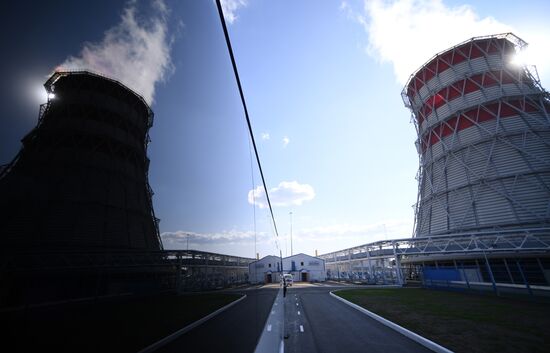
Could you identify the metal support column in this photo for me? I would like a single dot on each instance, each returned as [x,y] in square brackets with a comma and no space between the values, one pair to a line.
[509,272]
[465,275]
[349,266]
[542,271]
[178,273]
[371,274]
[384,272]
[525,281]
[398,266]
[490,273]
[337,266]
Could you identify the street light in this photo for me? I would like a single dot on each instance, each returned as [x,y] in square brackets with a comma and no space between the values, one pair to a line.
[291,250]
[286,245]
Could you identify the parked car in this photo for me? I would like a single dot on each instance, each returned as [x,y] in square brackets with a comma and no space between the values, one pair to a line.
[288,278]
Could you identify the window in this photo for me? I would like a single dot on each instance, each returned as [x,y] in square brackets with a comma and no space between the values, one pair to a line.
[313,263]
[269,265]
[302,263]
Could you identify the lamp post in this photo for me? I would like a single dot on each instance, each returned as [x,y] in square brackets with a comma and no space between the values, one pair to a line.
[291,250]
[286,245]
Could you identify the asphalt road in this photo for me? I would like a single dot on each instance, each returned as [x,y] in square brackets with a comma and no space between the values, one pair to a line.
[315,322]
[326,325]
[235,330]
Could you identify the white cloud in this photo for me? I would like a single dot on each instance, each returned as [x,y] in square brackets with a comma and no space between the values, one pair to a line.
[350,12]
[340,236]
[136,52]
[344,6]
[265,136]
[287,193]
[230,8]
[336,237]
[326,238]
[407,33]
[371,232]
[178,239]
[230,242]
[286,141]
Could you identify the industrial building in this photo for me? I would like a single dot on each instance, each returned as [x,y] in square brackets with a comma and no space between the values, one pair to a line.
[80,181]
[483,139]
[76,213]
[304,268]
[265,270]
[482,217]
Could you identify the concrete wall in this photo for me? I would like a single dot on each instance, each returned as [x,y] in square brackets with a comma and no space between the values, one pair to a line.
[258,271]
[313,267]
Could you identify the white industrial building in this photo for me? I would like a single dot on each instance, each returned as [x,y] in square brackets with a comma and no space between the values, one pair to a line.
[265,270]
[304,268]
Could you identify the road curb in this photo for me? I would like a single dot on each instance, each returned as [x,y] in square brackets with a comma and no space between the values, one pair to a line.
[187,328]
[413,336]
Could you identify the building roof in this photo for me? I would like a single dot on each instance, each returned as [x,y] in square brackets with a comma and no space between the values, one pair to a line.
[265,257]
[315,257]
[288,257]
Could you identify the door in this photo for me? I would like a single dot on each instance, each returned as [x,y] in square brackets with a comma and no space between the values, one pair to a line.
[304,276]
[268,278]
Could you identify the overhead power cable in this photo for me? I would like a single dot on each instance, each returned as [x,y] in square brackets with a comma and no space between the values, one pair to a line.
[230,49]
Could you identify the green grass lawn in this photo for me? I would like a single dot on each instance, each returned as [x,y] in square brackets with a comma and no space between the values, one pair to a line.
[461,322]
[115,326]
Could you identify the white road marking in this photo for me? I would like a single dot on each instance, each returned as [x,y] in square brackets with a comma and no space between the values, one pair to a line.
[272,312]
[269,328]
[299,312]
[296,304]
[301,328]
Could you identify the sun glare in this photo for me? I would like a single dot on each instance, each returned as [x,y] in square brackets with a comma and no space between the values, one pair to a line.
[520,58]
[40,94]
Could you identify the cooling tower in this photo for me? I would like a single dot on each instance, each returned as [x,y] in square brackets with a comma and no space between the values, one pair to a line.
[80,180]
[483,125]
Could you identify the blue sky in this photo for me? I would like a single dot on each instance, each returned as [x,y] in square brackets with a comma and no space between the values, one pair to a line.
[322,80]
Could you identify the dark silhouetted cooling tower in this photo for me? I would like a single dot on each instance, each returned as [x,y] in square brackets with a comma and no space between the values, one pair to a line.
[483,127]
[80,180]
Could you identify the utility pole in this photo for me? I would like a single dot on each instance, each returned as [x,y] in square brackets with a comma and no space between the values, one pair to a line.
[286,245]
[281,258]
[291,249]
